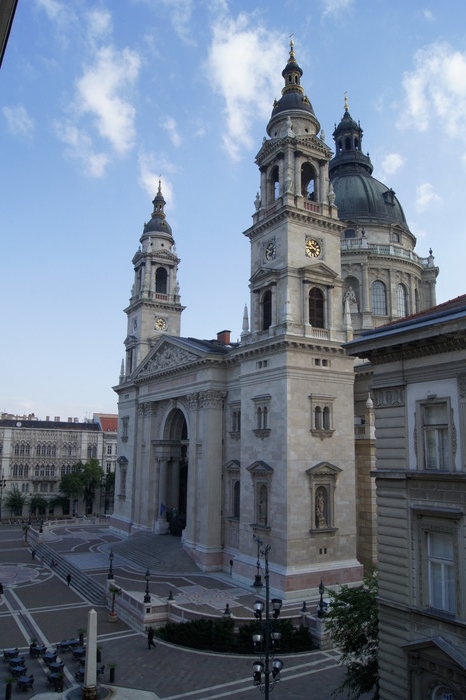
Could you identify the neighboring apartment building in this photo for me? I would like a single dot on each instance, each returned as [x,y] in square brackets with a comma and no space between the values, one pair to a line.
[418,389]
[35,454]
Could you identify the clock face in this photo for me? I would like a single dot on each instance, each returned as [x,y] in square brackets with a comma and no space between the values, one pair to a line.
[312,248]
[270,251]
[160,324]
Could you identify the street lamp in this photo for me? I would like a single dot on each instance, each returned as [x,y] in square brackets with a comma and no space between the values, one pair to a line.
[110,570]
[2,486]
[266,671]
[322,607]
[147,594]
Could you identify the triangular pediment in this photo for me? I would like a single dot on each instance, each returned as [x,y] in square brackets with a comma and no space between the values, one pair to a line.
[318,272]
[263,274]
[169,354]
[260,467]
[437,647]
[323,469]
[232,466]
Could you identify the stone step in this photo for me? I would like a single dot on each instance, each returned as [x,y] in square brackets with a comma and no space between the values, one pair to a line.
[158,553]
[80,581]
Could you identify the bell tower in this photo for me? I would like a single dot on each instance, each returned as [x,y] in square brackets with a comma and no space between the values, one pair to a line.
[295,237]
[154,306]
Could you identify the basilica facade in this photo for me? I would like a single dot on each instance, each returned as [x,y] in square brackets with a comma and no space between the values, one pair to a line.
[271,437]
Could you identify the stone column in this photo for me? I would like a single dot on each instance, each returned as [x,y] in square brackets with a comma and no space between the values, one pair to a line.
[162,523]
[90,667]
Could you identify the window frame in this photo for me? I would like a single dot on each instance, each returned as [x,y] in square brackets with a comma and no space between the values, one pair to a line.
[445,430]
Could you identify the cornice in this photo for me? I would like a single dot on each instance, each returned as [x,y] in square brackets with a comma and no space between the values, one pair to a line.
[417,349]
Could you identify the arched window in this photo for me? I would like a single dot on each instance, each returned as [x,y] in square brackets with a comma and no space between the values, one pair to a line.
[161,280]
[275,182]
[317,418]
[401,301]
[266,310]
[236,498]
[379,299]
[326,418]
[316,308]
[308,176]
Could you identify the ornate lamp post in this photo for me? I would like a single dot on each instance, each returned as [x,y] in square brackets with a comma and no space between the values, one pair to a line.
[110,570]
[322,606]
[266,671]
[147,594]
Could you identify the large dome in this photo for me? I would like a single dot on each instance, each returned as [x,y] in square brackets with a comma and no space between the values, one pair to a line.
[360,198]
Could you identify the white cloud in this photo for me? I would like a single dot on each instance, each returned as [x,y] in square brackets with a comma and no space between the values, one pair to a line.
[335,6]
[55,10]
[99,23]
[170,125]
[18,120]
[391,163]
[426,196]
[80,148]
[244,66]
[181,11]
[436,90]
[101,93]
[152,168]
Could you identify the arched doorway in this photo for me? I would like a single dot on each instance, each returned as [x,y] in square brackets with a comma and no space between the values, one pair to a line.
[176,433]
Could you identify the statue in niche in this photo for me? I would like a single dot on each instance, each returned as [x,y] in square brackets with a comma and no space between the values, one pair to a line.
[289,127]
[262,506]
[321,503]
[350,297]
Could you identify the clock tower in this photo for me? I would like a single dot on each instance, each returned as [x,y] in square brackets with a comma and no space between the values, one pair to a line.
[154,306]
[295,237]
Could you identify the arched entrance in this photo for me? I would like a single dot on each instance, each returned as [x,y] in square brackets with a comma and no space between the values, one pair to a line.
[176,433]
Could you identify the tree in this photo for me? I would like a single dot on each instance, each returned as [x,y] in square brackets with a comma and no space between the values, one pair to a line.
[91,475]
[15,501]
[38,504]
[352,619]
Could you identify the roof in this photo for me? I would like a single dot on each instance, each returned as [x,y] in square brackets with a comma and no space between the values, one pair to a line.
[48,425]
[108,421]
[422,323]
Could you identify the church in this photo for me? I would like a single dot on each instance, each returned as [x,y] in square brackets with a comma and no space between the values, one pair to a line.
[271,437]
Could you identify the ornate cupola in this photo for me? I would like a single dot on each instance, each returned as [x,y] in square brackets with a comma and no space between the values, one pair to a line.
[348,145]
[154,306]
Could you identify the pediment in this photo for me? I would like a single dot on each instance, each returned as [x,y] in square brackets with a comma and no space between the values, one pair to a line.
[260,467]
[318,272]
[323,469]
[167,354]
[232,466]
[263,274]
[438,648]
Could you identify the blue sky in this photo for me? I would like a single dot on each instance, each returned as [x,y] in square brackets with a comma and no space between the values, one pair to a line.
[98,99]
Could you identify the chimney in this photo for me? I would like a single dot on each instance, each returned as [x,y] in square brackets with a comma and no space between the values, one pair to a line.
[47,418]
[224,337]
[70,420]
[57,419]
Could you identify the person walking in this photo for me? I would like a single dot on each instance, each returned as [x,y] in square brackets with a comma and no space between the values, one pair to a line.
[150,638]
[68,579]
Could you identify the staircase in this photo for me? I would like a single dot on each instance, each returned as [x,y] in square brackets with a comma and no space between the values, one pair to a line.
[160,553]
[80,581]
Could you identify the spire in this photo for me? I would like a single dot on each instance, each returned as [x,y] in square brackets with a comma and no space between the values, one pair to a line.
[348,144]
[292,73]
[158,220]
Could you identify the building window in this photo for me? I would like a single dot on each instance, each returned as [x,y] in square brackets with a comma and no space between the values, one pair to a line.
[316,308]
[161,280]
[401,301]
[236,498]
[262,415]
[124,429]
[261,474]
[437,557]
[109,449]
[441,571]
[235,420]
[379,299]
[322,415]
[266,310]
[435,435]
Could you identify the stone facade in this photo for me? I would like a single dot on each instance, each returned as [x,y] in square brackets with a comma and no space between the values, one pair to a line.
[418,392]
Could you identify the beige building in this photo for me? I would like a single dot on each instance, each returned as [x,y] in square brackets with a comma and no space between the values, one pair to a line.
[36,454]
[223,441]
[418,388]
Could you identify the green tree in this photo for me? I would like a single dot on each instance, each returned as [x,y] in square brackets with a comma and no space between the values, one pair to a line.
[71,485]
[38,504]
[352,619]
[15,501]
[91,475]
